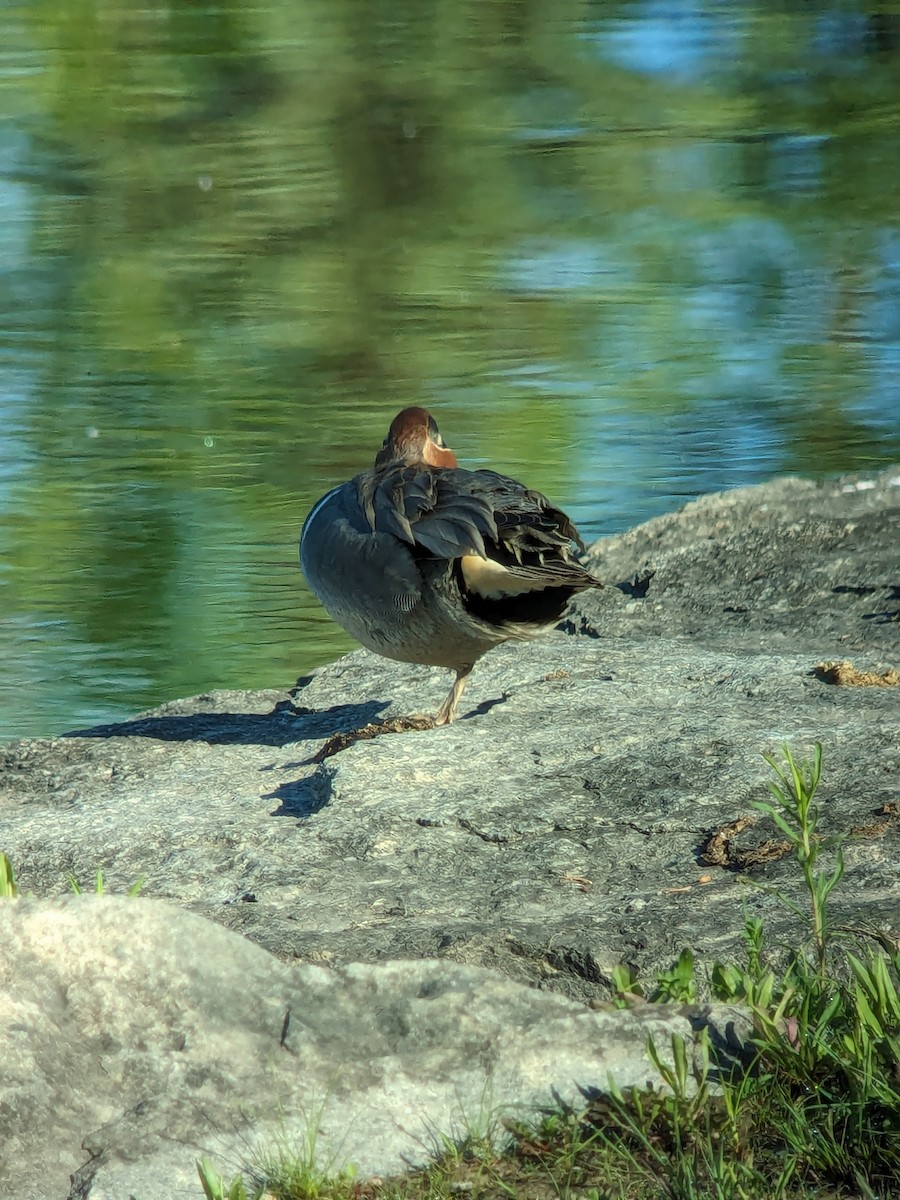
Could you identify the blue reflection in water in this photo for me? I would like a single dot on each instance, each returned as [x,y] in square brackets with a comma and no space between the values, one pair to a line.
[673,38]
[667,235]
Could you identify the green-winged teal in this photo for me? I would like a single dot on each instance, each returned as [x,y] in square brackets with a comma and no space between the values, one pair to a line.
[426,562]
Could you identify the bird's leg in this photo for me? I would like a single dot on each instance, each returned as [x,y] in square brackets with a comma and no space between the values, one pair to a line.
[447,711]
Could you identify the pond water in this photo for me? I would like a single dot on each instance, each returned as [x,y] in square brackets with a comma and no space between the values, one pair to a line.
[627,252]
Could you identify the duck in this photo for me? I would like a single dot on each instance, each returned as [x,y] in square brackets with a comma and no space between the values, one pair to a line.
[424,561]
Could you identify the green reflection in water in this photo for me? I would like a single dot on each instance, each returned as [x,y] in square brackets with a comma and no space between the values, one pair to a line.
[625,255]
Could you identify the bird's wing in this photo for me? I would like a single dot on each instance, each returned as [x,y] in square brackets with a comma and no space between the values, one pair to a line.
[510,538]
[533,547]
[427,508]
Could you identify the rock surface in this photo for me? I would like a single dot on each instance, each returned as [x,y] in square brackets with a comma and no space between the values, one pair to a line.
[561,826]
[138,1037]
[557,828]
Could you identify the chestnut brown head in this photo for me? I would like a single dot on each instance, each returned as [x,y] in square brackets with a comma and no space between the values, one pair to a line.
[415,438]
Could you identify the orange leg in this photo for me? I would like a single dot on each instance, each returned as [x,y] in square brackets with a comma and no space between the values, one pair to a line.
[447,711]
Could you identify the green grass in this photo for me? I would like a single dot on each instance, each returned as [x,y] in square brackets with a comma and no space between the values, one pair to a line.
[814,1116]
[9,888]
[99,888]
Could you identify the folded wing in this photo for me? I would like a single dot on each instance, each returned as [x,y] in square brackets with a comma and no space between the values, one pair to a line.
[509,539]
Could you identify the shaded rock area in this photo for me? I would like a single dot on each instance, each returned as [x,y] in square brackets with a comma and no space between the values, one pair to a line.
[589,808]
[137,1037]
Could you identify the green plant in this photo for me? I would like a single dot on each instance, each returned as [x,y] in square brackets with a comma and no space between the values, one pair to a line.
[797,814]
[685,1139]
[677,985]
[294,1167]
[100,885]
[9,889]
[291,1178]
[215,1187]
[474,1133]
[822,1100]
[828,1035]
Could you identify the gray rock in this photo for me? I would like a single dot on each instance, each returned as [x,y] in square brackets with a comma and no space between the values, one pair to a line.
[555,830]
[792,565]
[138,1037]
[559,828]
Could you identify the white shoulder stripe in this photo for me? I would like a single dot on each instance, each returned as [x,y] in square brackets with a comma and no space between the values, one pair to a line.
[317,508]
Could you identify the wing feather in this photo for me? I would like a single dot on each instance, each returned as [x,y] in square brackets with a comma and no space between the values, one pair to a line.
[452,513]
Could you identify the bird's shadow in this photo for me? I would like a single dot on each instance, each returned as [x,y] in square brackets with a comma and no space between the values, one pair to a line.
[485,706]
[284,725]
[287,724]
[299,798]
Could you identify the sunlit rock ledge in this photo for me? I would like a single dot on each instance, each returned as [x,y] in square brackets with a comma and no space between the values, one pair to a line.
[566,823]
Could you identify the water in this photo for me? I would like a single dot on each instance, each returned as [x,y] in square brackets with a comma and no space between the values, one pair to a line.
[629,253]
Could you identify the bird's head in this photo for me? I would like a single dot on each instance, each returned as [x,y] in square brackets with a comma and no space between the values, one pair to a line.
[414,438]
